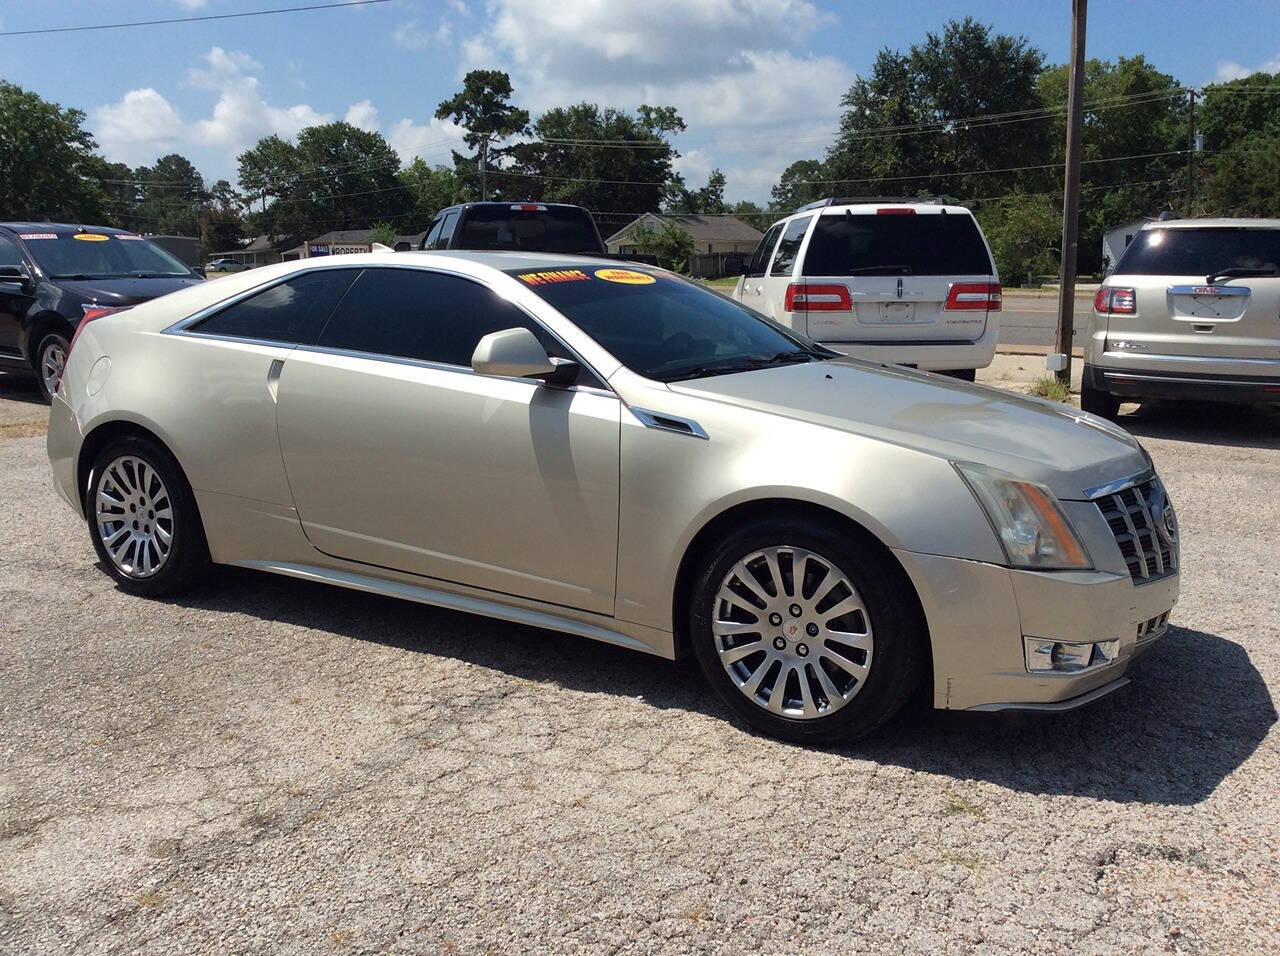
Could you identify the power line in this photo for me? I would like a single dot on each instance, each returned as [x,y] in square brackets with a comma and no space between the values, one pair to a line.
[208,16]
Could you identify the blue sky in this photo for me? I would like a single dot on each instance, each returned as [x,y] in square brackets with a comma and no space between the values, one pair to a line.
[758,81]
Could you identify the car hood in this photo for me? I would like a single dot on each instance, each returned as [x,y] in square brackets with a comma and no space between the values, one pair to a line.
[1035,440]
[123,291]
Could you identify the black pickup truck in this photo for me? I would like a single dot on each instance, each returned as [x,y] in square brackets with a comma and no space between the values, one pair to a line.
[521,227]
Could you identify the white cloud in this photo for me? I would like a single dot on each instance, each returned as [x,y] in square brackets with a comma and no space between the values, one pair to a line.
[737,71]
[1231,70]
[223,65]
[138,128]
[433,141]
[412,35]
[191,4]
[364,115]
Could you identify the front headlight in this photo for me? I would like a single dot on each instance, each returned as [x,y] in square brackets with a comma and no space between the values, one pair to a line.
[1031,526]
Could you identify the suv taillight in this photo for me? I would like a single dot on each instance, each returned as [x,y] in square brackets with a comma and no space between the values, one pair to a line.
[1116,301]
[804,297]
[974,296]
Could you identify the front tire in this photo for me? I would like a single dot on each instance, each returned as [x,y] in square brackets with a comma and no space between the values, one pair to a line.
[143,519]
[51,360]
[805,633]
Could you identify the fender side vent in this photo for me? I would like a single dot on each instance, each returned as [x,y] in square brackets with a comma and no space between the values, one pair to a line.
[670,423]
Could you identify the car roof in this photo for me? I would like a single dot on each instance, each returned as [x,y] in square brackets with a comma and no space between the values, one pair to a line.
[1219,223]
[872,207]
[63,227]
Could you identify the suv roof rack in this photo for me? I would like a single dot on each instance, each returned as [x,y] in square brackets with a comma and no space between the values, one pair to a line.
[848,200]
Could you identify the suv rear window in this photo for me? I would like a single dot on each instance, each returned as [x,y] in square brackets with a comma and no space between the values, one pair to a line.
[551,230]
[902,245]
[1200,252]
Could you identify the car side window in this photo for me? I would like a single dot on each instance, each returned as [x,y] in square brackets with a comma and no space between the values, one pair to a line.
[294,311]
[760,258]
[789,247]
[429,316]
[9,254]
[446,231]
[433,233]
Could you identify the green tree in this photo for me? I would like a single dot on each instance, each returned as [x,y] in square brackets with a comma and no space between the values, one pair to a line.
[798,185]
[908,128]
[383,232]
[48,169]
[674,247]
[1025,233]
[430,189]
[1244,178]
[337,176]
[753,214]
[483,108]
[172,196]
[1231,111]
[612,162]
[1240,168]
[705,201]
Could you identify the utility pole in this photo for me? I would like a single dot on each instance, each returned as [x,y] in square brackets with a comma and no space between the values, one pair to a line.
[1191,155]
[1071,191]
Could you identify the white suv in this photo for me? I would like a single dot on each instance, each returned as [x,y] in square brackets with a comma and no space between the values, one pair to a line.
[905,282]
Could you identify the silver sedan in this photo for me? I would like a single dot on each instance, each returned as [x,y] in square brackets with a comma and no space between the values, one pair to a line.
[624,455]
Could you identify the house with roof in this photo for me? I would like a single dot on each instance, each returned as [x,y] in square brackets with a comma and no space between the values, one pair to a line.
[261,251]
[342,241]
[721,243]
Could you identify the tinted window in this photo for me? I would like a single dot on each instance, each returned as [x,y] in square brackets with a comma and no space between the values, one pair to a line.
[551,229]
[292,311]
[760,258]
[446,231]
[1200,252]
[411,313]
[102,256]
[789,247]
[928,244]
[9,254]
[662,328]
[432,234]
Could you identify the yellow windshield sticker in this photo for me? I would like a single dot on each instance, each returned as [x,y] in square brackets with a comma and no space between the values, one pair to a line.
[625,276]
[550,278]
[88,237]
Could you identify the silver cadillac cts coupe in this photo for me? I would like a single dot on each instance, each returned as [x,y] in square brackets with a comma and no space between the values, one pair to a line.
[624,455]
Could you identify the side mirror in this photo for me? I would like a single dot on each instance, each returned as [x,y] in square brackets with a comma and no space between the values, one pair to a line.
[15,276]
[517,353]
[401,246]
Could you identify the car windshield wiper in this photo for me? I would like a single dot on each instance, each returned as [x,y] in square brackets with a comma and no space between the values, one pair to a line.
[1213,277]
[749,364]
[884,270]
[78,276]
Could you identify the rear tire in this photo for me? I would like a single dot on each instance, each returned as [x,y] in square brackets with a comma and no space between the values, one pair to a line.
[872,657]
[1097,402]
[143,519]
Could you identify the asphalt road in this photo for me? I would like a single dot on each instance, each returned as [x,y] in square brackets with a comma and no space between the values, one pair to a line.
[268,765]
[1031,320]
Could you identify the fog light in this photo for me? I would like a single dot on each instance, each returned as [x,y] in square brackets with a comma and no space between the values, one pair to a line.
[1067,657]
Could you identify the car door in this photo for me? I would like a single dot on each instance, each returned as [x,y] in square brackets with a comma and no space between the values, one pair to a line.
[14,300]
[749,289]
[779,275]
[400,456]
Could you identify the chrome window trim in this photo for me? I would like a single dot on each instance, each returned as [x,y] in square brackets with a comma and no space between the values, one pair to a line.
[183,326]
[1118,485]
[653,419]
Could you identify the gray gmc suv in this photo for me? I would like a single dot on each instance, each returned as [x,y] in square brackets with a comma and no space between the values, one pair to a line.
[1192,311]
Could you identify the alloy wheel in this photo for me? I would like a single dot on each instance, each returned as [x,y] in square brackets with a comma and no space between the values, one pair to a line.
[53,359]
[134,517]
[792,632]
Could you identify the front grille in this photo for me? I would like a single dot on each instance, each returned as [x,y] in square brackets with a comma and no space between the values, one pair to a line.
[1136,518]
[1154,626]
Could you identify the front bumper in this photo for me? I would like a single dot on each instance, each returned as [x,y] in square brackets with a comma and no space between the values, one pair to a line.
[981,615]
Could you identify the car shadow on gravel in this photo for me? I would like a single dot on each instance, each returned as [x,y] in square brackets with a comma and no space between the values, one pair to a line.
[1195,710]
[1207,423]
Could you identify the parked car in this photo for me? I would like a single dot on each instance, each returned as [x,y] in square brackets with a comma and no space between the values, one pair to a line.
[521,227]
[52,274]
[1192,311]
[903,282]
[226,264]
[624,455]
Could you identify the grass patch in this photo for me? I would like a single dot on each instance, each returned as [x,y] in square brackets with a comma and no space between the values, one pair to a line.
[728,282]
[958,806]
[1048,386]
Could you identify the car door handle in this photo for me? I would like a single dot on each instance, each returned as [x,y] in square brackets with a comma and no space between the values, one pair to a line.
[273,378]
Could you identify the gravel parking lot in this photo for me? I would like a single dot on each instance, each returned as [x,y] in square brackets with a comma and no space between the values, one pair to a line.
[273,766]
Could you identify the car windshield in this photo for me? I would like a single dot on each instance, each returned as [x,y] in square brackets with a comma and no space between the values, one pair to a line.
[923,244]
[95,255]
[550,229]
[664,327]
[1200,252]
